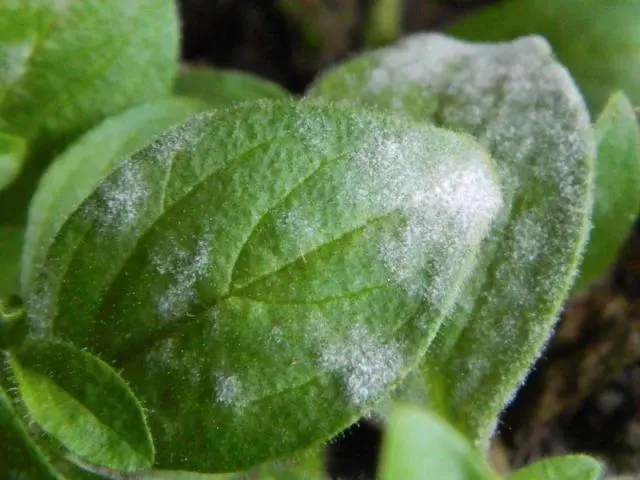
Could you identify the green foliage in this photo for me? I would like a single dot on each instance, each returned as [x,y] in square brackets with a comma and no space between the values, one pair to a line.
[521,104]
[318,287]
[82,402]
[222,87]
[617,188]
[19,455]
[12,153]
[569,467]
[10,251]
[598,41]
[67,65]
[420,446]
[75,174]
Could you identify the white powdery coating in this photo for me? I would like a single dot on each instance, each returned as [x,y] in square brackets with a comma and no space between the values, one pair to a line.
[228,391]
[14,61]
[448,194]
[366,365]
[184,268]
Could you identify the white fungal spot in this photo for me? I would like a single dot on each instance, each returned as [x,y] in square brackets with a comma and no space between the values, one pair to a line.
[228,391]
[366,364]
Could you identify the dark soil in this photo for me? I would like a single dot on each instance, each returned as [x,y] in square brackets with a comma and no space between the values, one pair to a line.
[584,393]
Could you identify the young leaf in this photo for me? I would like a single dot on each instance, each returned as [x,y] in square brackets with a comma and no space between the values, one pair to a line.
[263,274]
[617,183]
[420,446]
[66,65]
[12,152]
[222,87]
[526,110]
[11,239]
[569,467]
[19,455]
[77,172]
[82,402]
[598,41]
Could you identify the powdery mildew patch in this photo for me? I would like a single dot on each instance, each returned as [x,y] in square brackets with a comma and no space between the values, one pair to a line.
[366,364]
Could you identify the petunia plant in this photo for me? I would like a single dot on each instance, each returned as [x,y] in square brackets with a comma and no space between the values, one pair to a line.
[205,277]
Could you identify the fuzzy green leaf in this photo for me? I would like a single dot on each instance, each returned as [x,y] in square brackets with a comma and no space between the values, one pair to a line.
[82,402]
[75,174]
[266,256]
[19,455]
[569,467]
[11,239]
[523,106]
[420,446]
[617,196]
[222,87]
[598,41]
[12,153]
[64,66]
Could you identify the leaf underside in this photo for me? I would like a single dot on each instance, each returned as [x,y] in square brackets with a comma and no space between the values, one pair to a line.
[263,274]
[525,109]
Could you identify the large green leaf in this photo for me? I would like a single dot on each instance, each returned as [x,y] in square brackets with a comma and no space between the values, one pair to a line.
[12,153]
[420,446]
[617,197]
[11,239]
[75,174]
[569,467]
[526,110]
[82,402]
[19,455]
[222,87]
[598,41]
[263,274]
[66,65]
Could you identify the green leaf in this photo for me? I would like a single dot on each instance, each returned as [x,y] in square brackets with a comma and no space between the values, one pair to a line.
[270,255]
[12,153]
[569,467]
[222,87]
[11,239]
[617,185]
[83,403]
[419,446]
[19,455]
[64,66]
[598,41]
[75,174]
[523,106]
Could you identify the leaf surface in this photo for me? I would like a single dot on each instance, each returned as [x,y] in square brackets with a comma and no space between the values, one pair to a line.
[19,455]
[12,153]
[568,467]
[64,66]
[420,446]
[270,255]
[75,174]
[11,240]
[82,402]
[598,41]
[617,188]
[525,109]
[219,87]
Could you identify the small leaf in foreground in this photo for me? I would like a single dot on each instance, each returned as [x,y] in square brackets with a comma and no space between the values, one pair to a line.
[598,41]
[525,109]
[617,188]
[82,402]
[420,446]
[12,153]
[265,256]
[221,87]
[19,455]
[568,467]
